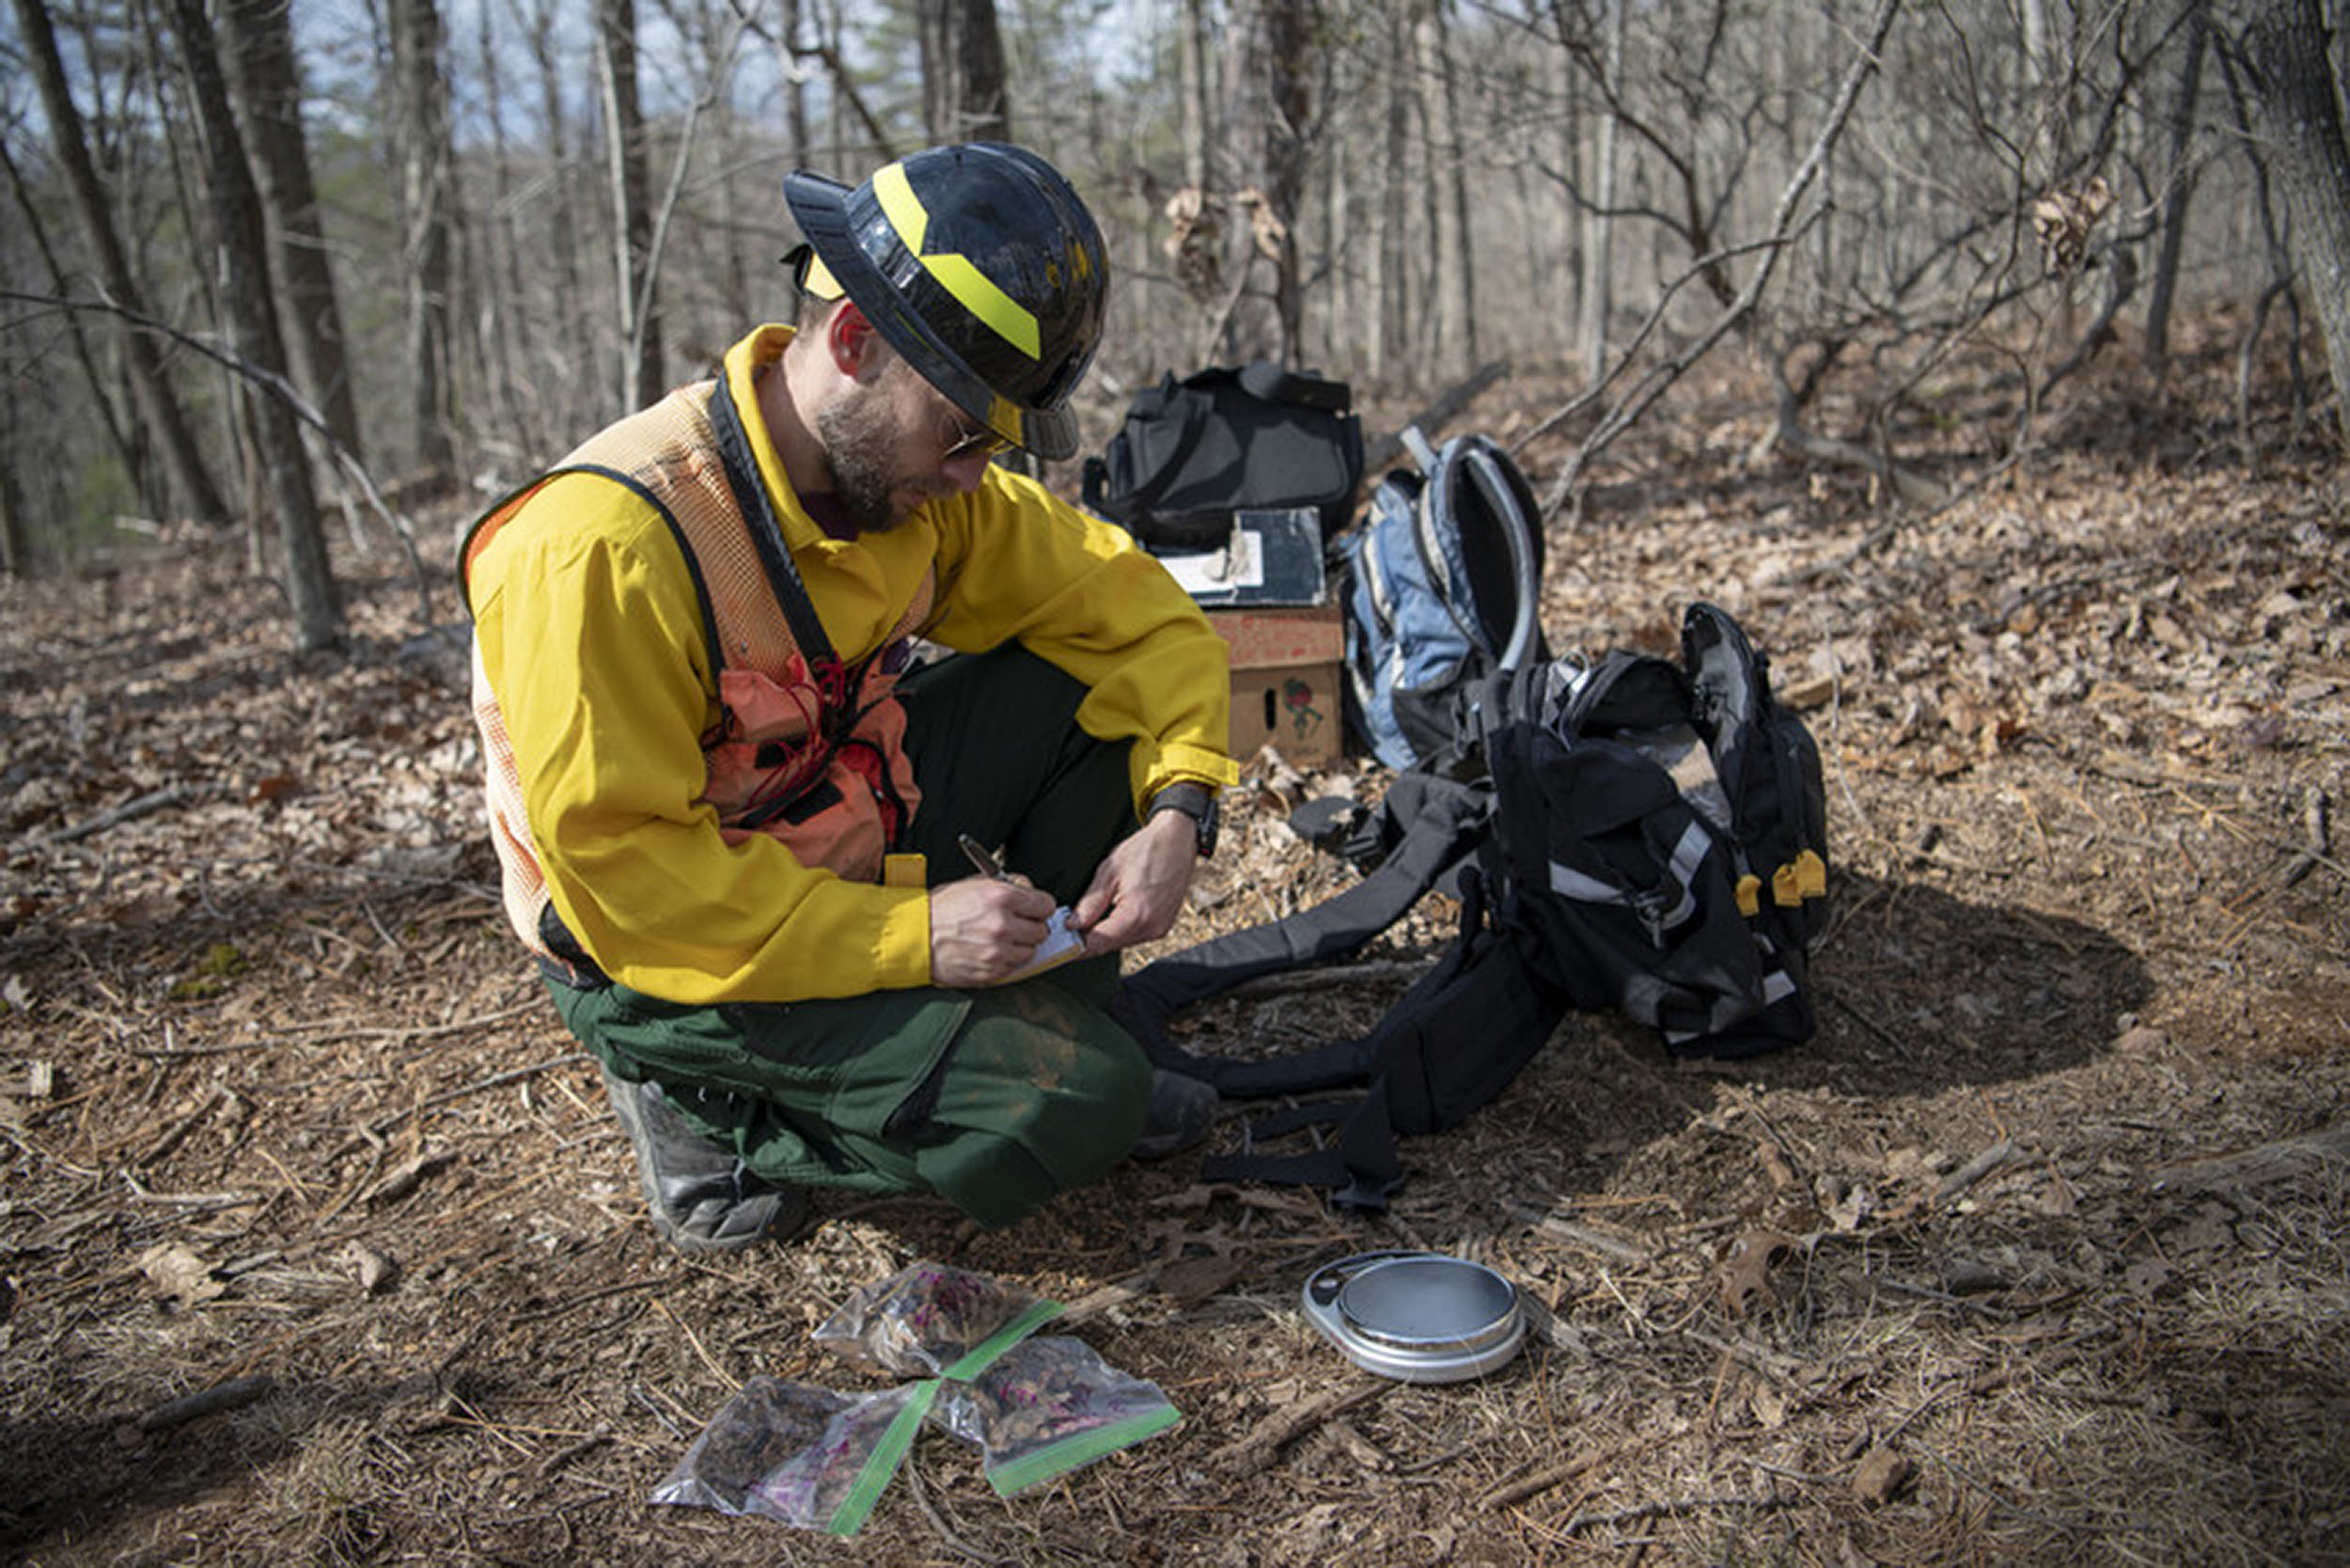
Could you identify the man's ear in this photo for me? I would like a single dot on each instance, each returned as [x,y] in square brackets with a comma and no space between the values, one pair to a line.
[850,340]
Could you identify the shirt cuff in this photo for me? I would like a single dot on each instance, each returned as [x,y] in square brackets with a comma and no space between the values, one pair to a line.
[1179,764]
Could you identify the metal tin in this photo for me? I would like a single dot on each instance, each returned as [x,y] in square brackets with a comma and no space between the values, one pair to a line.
[1419,1317]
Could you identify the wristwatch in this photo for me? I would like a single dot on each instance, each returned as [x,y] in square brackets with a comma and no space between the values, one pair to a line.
[1198,803]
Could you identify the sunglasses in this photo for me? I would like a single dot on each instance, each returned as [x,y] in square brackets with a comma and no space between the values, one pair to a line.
[964,442]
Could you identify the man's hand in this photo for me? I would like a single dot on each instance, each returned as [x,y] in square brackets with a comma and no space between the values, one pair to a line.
[982,930]
[1138,891]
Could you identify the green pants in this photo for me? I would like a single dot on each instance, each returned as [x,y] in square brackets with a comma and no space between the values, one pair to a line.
[995,1099]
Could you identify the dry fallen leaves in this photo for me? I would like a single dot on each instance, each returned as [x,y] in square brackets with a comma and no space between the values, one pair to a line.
[1880,1475]
[178,1272]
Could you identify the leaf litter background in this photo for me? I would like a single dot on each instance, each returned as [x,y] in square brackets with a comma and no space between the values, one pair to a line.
[318,1244]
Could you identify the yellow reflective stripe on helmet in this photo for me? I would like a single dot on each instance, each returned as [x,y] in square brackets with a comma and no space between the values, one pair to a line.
[954,271]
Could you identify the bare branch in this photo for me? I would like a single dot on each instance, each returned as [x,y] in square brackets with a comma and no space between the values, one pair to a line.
[1782,227]
[277,387]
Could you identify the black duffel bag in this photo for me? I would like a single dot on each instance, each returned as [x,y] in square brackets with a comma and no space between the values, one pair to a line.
[1193,452]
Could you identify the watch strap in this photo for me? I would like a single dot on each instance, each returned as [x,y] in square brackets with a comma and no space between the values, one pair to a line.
[1196,801]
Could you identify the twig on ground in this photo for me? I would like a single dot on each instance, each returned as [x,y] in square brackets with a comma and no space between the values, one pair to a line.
[2283,1160]
[340,1033]
[235,1394]
[1591,1238]
[952,1542]
[1975,1170]
[1664,1507]
[130,810]
[1786,1370]
[734,1384]
[1879,1030]
[496,1432]
[569,1451]
[636,1391]
[587,1300]
[170,1138]
[1558,1475]
[192,1199]
[1278,1430]
[1381,450]
[2316,840]
[1117,1294]
[385,1123]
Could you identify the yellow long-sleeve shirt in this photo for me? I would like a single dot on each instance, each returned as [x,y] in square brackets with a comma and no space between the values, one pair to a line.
[592,640]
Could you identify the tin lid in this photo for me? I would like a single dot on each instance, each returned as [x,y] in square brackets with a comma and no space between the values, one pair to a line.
[1421,1317]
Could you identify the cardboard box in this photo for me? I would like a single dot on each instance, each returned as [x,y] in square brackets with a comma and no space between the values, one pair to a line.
[1287,676]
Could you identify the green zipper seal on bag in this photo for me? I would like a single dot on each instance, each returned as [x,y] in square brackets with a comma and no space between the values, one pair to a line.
[1080,1448]
[881,1465]
[984,1354]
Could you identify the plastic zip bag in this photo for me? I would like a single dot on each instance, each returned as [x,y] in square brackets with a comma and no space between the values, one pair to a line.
[1047,1406]
[807,1456]
[934,1320]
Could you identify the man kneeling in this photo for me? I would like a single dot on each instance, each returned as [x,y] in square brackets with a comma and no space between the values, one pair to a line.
[729,800]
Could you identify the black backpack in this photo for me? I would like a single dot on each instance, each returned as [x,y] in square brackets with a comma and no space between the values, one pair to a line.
[1632,835]
[1193,452]
[1661,829]
[1440,584]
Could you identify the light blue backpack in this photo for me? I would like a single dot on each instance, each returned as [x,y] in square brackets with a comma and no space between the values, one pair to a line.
[1442,588]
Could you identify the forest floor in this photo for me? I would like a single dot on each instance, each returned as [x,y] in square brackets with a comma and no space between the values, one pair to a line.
[319,1243]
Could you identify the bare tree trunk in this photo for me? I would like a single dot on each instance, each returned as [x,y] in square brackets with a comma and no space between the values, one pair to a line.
[159,408]
[502,292]
[1565,230]
[125,449]
[420,113]
[963,71]
[2178,185]
[839,103]
[243,240]
[1343,287]
[1427,276]
[553,321]
[642,381]
[718,52]
[1191,69]
[15,556]
[1599,246]
[266,85]
[2299,108]
[1455,251]
[794,89]
[1390,283]
[1267,124]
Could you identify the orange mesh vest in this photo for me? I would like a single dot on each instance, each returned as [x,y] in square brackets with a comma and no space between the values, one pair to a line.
[806,750]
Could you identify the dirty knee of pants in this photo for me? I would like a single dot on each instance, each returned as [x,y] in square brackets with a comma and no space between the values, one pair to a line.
[1039,1094]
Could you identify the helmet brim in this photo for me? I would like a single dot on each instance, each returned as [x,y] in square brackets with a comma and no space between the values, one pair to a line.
[821,207]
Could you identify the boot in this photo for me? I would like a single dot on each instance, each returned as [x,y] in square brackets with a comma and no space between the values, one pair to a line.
[1182,1111]
[702,1198]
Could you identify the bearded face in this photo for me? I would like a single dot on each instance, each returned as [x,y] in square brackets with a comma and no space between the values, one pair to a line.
[867,430]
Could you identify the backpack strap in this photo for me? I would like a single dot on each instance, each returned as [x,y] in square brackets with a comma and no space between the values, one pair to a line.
[1148,489]
[1359,1164]
[766,530]
[1457,1038]
[1448,821]
[1473,467]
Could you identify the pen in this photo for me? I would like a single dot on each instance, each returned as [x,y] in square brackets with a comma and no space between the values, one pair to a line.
[988,865]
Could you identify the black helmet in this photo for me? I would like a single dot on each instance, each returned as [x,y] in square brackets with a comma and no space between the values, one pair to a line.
[979,266]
